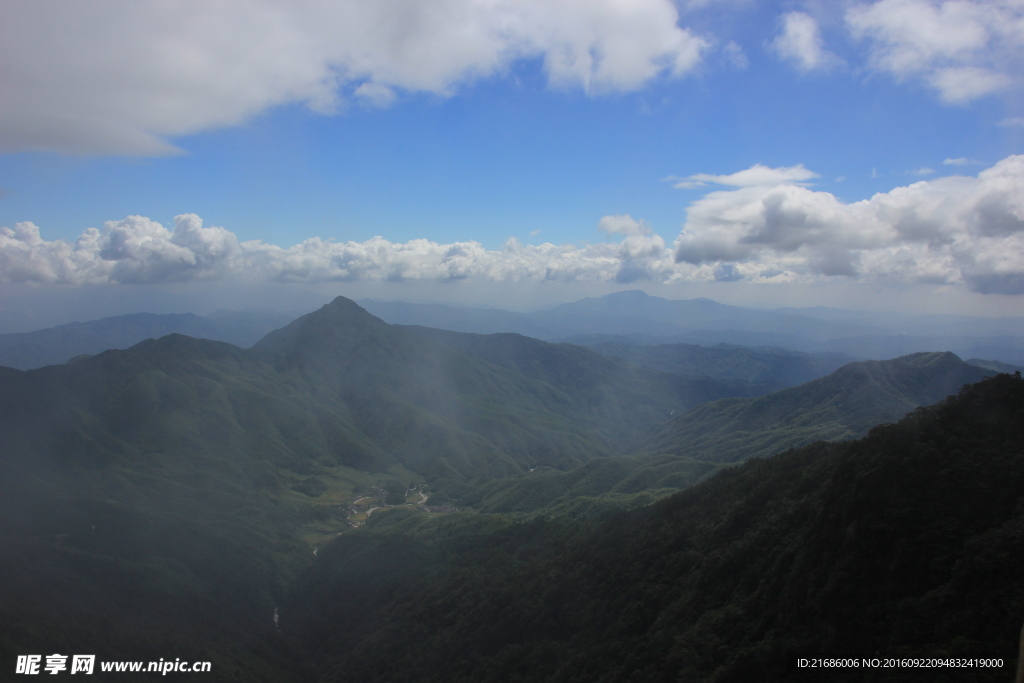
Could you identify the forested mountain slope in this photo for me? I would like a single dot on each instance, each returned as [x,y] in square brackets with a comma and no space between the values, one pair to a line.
[768,369]
[906,543]
[842,405]
[161,500]
[153,500]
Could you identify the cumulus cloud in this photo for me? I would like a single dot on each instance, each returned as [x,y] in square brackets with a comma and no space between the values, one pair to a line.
[762,225]
[954,230]
[800,43]
[757,174]
[137,250]
[964,49]
[127,76]
[623,225]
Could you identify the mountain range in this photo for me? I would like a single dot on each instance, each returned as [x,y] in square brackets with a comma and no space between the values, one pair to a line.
[166,499]
[654,320]
[54,345]
[624,318]
[904,544]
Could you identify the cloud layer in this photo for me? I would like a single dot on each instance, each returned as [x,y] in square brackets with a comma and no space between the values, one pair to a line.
[123,76]
[767,226]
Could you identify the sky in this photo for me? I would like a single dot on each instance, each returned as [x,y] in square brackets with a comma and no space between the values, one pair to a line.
[174,156]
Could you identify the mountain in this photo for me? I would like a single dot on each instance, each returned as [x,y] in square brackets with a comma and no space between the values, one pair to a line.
[54,345]
[635,311]
[904,544]
[618,313]
[652,319]
[454,318]
[696,444]
[234,458]
[163,500]
[500,403]
[995,366]
[343,387]
[842,405]
[768,369]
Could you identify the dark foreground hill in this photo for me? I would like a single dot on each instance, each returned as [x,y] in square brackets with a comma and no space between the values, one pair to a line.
[906,543]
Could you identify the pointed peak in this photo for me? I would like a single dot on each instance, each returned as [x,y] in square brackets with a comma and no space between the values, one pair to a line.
[342,305]
[335,326]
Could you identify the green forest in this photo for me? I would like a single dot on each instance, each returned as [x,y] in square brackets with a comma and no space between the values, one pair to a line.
[349,500]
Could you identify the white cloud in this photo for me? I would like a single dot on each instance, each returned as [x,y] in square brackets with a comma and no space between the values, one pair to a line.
[764,227]
[954,230]
[623,225]
[757,174]
[924,170]
[800,42]
[1012,122]
[961,161]
[964,49]
[963,84]
[376,95]
[127,76]
[137,250]
[735,55]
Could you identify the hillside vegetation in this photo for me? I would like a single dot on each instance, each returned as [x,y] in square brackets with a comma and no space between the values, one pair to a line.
[842,405]
[163,500]
[906,543]
[767,369]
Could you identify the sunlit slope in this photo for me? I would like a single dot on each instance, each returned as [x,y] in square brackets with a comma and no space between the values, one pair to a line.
[906,543]
[842,405]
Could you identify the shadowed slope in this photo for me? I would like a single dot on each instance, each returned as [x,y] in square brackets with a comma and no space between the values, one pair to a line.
[906,543]
[842,405]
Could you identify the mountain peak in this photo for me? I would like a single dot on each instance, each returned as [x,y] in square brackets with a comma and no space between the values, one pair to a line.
[337,327]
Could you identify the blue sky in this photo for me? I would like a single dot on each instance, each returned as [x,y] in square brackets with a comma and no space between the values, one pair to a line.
[616,133]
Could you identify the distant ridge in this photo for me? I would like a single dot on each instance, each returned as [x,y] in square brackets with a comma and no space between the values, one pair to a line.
[842,405]
[768,369]
[54,345]
[655,320]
